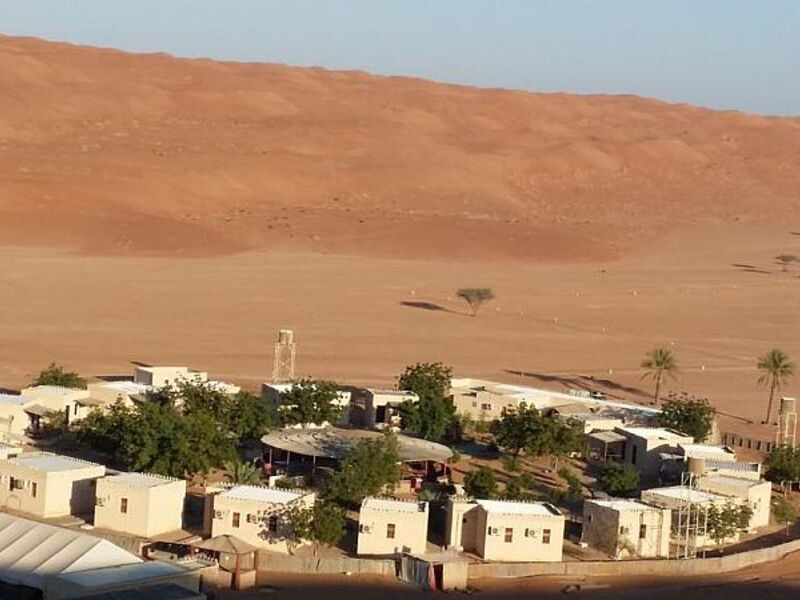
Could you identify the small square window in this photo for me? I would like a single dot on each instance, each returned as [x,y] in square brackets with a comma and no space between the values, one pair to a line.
[642,531]
[33,489]
[390,531]
[545,536]
[509,537]
[236,517]
[123,505]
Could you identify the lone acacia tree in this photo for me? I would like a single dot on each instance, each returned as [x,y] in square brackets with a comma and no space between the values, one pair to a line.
[776,368]
[658,363]
[475,297]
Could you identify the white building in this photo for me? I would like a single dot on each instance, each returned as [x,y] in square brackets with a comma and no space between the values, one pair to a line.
[27,412]
[755,494]
[49,485]
[390,526]
[683,499]
[107,393]
[644,446]
[504,530]
[160,376]
[259,515]
[626,528]
[381,407]
[140,504]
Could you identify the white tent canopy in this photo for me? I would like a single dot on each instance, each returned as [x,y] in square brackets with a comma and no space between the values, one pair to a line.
[30,552]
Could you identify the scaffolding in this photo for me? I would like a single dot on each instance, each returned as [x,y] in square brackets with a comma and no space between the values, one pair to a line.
[690,521]
[283,361]
[787,423]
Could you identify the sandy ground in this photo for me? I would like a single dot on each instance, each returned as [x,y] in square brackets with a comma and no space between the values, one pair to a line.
[362,320]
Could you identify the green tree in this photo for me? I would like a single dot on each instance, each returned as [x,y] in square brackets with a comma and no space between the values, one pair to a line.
[658,363]
[525,428]
[241,473]
[785,512]
[521,428]
[426,379]
[783,465]
[689,415]
[724,522]
[105,430]
[309,401]
[433,415]
[776,369]
[515,491]
[55,423]
[475,297]
[480,483]
[367,470]
[321,524]
[56,375]
[249,417]
[619,479]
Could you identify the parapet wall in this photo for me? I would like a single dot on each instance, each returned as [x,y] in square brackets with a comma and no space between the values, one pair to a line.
[343,564]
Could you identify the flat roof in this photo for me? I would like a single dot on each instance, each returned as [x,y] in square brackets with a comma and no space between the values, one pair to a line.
[731,481]
[623,505]
[147,480]
[700,450]
[31,552]
[394,505]
[44,390]
[259,493]
[654,433]
[390,392]
[337,443]
[13,399]
[508,507]
[608,437]
[45,461]
[678,492]
[128,387]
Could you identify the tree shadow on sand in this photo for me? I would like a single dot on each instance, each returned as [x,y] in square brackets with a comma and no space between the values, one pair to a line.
[581,382]
[432,306]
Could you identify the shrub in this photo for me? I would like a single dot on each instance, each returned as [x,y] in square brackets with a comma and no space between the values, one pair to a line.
[480,483]
[619,479]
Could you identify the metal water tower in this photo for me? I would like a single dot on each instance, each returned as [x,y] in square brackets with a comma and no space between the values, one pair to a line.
[283,362]
[787,423]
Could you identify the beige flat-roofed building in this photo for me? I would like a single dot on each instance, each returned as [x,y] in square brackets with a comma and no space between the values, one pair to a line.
[107,393]
[258,515]
[140,504]
[644,446]
[49,485]
[160,376]
[626,528]
[756,494]
[272,396]
[505,531]
[389,526]
[381,407]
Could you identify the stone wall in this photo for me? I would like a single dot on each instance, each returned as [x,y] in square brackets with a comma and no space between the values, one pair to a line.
[342,564]
[697,566]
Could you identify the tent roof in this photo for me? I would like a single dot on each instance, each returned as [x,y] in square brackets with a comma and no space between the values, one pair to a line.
[31,551]
[228,544]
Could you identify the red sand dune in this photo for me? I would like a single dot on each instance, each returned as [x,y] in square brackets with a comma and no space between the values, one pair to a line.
[108,152]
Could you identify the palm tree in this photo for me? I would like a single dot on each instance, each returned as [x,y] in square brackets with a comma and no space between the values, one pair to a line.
[776,368]
[659,362]
[241,473]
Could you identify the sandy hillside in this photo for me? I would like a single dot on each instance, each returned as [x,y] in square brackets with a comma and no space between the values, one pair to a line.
[350,207]
[109,153]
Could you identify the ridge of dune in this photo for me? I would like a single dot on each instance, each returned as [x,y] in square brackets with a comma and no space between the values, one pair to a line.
[109,152]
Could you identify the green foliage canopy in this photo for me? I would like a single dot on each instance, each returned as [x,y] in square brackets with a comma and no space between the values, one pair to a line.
[619,479]
[481,483]
[309,401]
[434,415]
[56,375]
[689,415]
[372,465]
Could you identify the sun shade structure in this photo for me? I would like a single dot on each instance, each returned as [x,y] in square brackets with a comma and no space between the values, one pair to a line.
[338,443]
[32,552]
[228,544]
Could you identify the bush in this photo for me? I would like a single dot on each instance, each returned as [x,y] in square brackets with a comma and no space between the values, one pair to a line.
[619,479]
[574,485]
[285,483]
[480,483]
[511,463]
[515,491]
